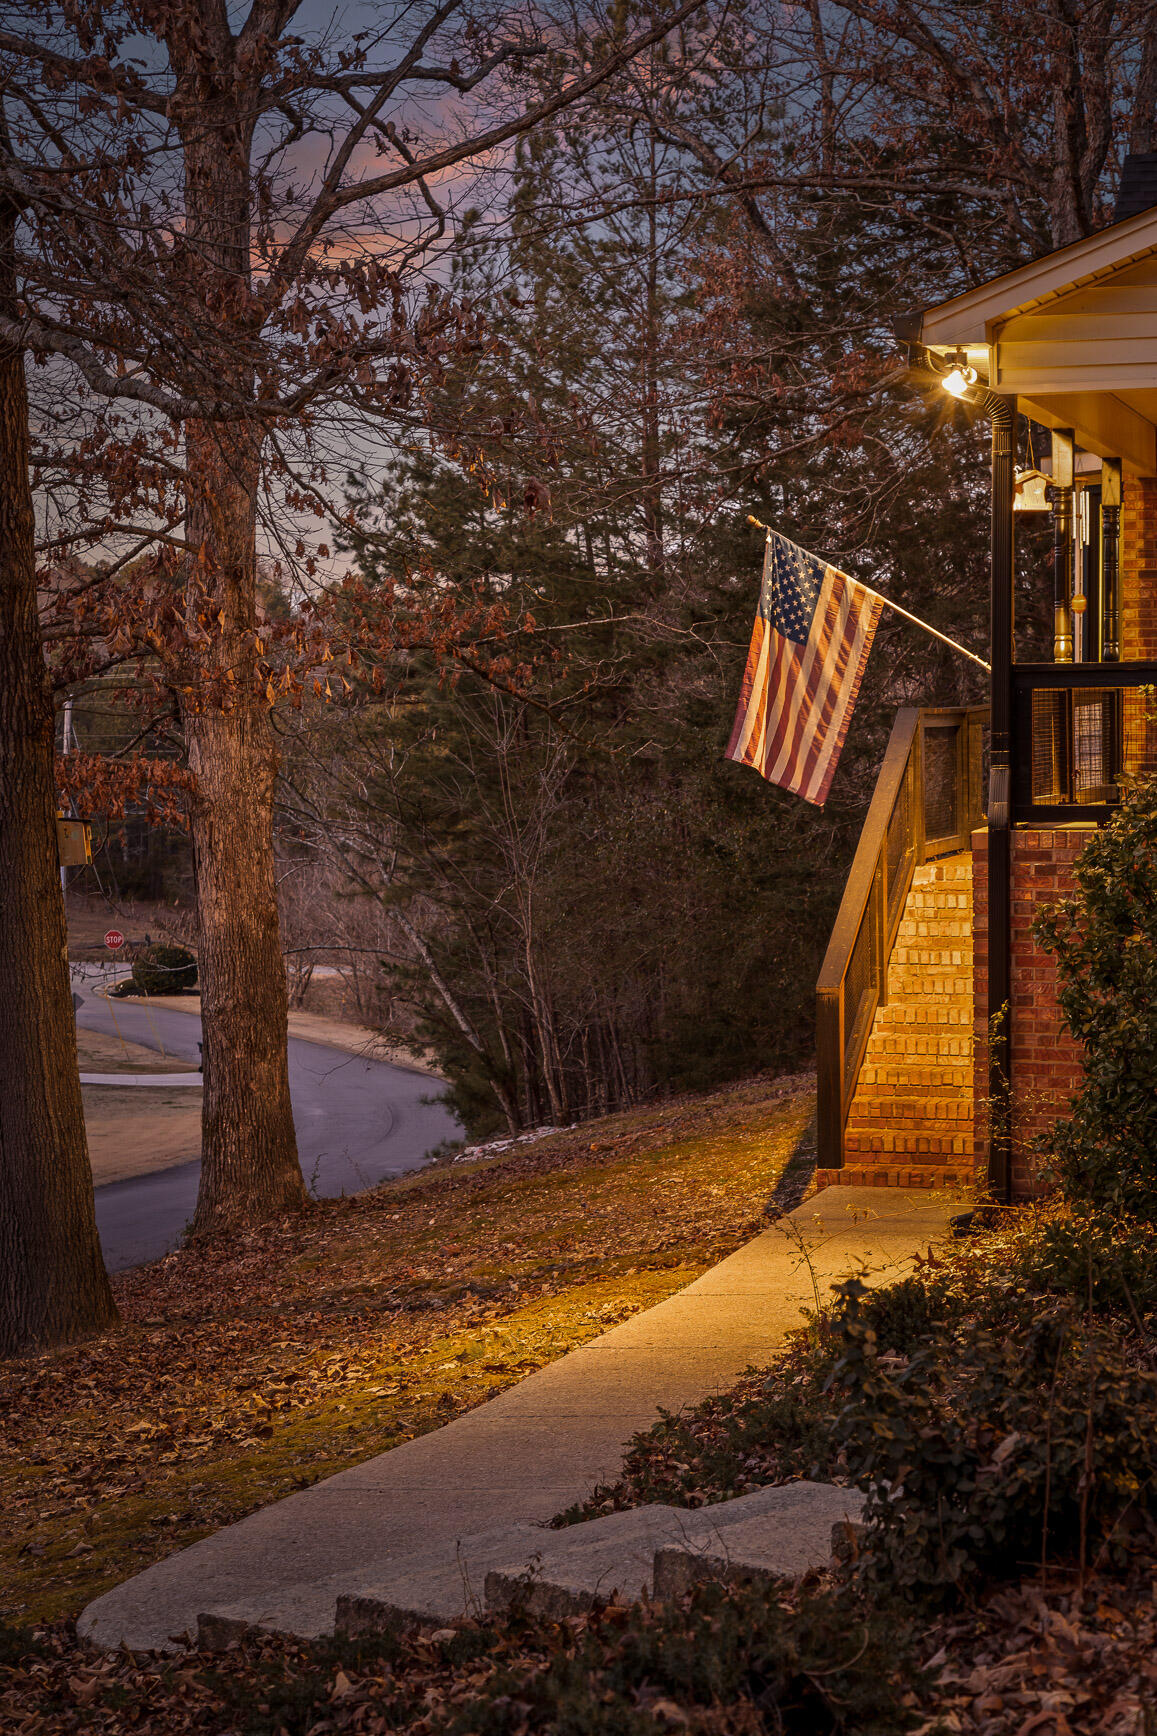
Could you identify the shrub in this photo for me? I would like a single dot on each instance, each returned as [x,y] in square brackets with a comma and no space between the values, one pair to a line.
[1104,1262]
[1105,943]
[725,1661]
[992,1450]
[905,1314]
[161,969]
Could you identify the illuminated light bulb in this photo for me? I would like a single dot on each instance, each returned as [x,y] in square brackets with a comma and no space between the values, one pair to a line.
[958,380]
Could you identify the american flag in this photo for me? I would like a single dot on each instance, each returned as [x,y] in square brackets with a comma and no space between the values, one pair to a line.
[813,632]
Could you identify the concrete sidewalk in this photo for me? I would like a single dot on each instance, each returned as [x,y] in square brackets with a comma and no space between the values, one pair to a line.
[538,1447]
[142,1079]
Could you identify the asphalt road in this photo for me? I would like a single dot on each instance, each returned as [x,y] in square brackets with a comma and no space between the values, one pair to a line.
[358,1121]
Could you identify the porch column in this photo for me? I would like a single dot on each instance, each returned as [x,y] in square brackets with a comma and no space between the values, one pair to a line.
[1062,493]
[1001,412]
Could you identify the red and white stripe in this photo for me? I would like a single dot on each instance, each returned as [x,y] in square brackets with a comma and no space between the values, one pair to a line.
[797,700]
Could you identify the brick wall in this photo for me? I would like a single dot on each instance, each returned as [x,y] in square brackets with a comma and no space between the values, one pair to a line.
[1046,1061]
[1139,569]
[1138,585]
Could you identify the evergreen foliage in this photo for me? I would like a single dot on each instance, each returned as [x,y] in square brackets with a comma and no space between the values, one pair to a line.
[162,969]
[606,908]
[1104,939]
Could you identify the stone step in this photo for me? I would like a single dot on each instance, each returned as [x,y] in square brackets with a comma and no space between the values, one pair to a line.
[749,1550]
[428,1588]
[781,1531]
[933,936]
[944,872]
[908,982]
[435,1588]
[925,1048]
[887,1057]
[923,957]
[783,1528]
[913,1108]
[926,955]
[608,1560]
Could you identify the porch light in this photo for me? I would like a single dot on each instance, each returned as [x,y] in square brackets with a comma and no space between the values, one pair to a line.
[959,379]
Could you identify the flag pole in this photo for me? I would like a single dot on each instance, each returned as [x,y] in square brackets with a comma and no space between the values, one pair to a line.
[895,607]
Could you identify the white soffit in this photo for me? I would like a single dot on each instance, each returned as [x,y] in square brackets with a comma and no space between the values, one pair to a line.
[973,318]
[1073,337]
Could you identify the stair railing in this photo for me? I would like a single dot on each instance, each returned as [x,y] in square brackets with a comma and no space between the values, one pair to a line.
[927,802]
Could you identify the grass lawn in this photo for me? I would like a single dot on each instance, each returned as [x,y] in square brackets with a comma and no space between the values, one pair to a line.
[246,1370]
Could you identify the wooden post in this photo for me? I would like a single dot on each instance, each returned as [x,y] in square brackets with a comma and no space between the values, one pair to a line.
[830,1080]
[1110,559]
[1062,545]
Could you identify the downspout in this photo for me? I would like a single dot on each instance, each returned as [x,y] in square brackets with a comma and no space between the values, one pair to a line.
[1001,412]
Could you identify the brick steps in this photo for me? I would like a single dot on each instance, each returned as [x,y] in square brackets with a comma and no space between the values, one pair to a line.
[911,1143]
[925,1012]
[856,1173]
[911,1120]
[881,1107]
[949,1074]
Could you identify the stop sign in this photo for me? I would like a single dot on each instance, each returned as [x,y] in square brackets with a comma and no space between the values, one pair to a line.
[114,939]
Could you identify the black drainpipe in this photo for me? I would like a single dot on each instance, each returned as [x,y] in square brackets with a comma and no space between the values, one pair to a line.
[1001,412]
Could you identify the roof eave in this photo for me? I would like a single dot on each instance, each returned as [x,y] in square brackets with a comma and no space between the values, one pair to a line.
[969,318]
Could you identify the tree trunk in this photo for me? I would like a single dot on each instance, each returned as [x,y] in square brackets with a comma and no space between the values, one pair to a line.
[249,1163]
[53,1285]
[1067,204]
[652,450]
[500,1086]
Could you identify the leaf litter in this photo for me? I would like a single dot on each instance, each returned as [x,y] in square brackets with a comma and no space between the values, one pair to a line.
[245,1369]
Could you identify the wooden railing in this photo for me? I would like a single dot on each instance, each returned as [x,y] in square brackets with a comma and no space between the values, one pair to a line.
[927,801]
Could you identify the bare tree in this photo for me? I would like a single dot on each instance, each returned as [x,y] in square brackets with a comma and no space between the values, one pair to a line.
[53,1285]
[223,237]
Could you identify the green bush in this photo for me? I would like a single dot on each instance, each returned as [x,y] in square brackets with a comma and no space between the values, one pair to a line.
[162,969]
[1105,943]
[1104,1262]
[725,1661]
[993,1449]
[906,1314]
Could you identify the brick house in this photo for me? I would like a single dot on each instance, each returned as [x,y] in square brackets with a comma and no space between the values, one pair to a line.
[940,1046]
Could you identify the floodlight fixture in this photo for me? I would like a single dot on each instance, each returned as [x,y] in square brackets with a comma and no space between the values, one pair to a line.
[960,378]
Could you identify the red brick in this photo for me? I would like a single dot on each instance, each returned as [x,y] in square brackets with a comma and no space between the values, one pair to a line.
[1045,1061]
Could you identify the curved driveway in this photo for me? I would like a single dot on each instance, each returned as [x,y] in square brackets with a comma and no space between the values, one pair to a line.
[358,1121]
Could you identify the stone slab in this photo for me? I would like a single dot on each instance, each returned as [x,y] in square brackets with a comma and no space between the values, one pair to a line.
[800,1530]
[606,1560]
[783,1530]
[429,1587]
